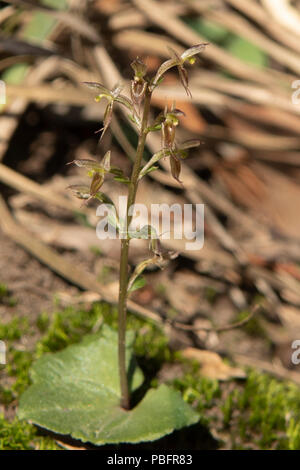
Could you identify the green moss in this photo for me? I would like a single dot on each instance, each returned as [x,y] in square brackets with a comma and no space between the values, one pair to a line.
[253,327]
[227,409]
[19,435]
[210,294]
[105,275]
[70,325]
[16,434]
[95,250]
[198,391]
[3,290]
[6,396]
[272,405]
[293,434]
[263,411]
[43,322]
[5,296]
[14,329]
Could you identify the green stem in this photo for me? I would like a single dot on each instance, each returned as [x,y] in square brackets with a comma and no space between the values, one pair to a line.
[125,402]
[122,306]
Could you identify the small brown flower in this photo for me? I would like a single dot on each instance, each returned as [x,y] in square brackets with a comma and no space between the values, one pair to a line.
[138,84]
[97,171]
[179,62]
[112,96]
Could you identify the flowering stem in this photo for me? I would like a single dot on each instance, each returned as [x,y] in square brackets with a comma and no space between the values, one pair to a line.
[123,286]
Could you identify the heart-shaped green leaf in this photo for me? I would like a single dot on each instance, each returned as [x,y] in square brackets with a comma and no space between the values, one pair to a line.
[76,392]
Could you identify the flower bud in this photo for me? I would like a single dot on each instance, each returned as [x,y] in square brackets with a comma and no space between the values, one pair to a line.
[139,68]
[175,168]
[168,134]
[96,183]
[138,84]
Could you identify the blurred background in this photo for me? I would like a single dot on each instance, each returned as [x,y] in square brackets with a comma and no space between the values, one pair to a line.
[245,109]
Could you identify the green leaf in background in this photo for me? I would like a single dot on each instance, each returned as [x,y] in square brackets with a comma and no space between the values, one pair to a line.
[76,392]
[15,74]
[236,45]
[211,31]
[55,4]
[39,27]
[247,52]
[37,30]
[42,24]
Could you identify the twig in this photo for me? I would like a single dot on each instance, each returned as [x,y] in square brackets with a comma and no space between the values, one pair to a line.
[20,182]
[219,329]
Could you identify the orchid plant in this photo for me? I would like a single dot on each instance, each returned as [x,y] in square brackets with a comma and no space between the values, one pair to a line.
[163,401]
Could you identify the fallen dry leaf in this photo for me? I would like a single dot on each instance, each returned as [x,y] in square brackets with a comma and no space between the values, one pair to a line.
[212,365]
[270,194]
[290,318]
